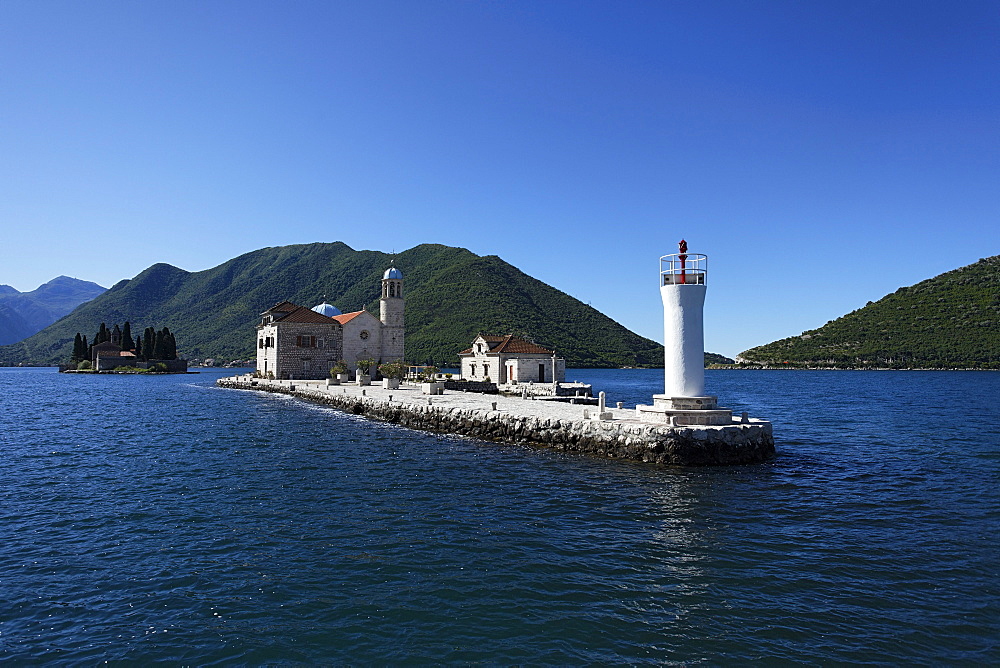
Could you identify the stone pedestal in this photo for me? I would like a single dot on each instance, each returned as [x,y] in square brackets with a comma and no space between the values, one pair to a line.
[684,411]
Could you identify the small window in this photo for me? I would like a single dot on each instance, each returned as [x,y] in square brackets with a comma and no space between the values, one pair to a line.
[260,343]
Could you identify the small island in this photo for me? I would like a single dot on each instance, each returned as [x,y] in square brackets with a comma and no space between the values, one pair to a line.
[116,351]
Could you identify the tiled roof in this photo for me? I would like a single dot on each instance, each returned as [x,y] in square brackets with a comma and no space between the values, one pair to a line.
[345,318]
[510,344]
[296,313]
[513,344]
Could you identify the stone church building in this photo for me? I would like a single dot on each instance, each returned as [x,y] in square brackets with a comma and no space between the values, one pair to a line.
[295,342]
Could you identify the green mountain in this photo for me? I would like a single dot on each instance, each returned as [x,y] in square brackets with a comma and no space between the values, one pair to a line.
[451,295]
[949,321]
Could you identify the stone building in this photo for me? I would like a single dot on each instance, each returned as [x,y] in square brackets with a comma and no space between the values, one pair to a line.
[298,342]
[508,360]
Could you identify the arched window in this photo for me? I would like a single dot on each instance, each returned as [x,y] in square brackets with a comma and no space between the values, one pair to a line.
[392,289]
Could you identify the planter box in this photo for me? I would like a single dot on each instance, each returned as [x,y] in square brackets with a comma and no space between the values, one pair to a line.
[364,380]
[390,383]
[332,381]
[432,388]
[343,377]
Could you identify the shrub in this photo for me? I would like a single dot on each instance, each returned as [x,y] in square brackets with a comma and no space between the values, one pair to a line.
[339,367]
[85,365]
[365,365]
[395,370]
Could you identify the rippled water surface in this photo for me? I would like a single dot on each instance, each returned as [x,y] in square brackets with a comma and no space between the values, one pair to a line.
[163,519]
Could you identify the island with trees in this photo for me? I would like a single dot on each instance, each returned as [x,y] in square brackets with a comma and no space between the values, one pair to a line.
[117,351]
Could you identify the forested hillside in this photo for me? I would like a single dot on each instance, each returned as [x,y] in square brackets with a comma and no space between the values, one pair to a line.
[949,321]
[451,295]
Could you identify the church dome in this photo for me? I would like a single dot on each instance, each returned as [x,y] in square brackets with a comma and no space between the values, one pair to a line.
[329,310]
[392,272]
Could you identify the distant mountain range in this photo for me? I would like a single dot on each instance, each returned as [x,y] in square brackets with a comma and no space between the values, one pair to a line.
[451,295]
[25,313]
[949,321]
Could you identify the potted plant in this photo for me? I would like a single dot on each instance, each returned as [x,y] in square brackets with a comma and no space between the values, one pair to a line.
[429,386]
[392,374]
[364,371]
[340,372]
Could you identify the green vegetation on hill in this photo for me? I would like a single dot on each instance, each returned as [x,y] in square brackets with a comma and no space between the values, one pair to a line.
[949,321]
[451,295]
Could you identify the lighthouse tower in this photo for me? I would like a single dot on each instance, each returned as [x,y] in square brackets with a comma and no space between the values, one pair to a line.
[391,315]
[683,281]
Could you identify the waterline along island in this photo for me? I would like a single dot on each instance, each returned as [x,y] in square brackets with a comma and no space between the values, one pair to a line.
[682,427]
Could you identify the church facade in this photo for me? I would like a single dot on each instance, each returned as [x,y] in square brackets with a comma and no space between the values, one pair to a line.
[295,342]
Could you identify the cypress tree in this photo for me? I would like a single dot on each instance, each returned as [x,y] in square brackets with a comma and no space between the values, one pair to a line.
[169,345]
[127,342]
[158,351]
[78,349]
[102,335]
[148,338]
[138,348]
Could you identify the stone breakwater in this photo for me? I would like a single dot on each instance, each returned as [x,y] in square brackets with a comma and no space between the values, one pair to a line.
[538,423]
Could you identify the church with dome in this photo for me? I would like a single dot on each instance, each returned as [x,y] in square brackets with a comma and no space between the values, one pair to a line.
[295,342]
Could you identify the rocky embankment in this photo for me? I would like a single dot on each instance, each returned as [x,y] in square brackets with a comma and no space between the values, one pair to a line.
[547,426]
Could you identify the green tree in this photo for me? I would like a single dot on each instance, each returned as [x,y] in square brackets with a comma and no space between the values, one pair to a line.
[158,350]
[169,345]
[365,365]
[148,343]
[138,348]
[78,349]
[127,342]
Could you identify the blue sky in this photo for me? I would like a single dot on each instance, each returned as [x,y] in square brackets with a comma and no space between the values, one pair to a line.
[821,154]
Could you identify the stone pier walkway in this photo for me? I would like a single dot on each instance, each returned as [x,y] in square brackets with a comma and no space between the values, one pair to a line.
[548,423]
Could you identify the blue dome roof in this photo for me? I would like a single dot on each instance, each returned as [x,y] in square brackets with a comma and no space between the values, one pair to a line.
[329,310]
[392,272]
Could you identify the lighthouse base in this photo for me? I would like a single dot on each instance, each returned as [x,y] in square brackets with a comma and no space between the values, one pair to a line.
[683,411]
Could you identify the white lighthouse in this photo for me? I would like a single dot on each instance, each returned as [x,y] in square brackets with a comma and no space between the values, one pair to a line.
[683,281]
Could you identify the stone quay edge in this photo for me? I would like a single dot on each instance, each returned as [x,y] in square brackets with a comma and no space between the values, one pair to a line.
[538,423]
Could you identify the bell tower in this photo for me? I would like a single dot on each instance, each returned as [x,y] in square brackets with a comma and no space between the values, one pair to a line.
[391,315]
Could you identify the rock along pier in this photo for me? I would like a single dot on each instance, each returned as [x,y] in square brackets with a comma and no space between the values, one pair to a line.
[616,433]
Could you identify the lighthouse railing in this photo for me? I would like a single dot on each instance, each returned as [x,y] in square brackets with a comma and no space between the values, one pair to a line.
[683,269]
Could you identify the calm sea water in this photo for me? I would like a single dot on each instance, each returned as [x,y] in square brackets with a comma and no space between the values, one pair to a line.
[163,519]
